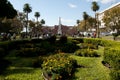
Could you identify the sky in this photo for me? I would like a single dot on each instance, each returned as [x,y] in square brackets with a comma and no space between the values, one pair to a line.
[68,10]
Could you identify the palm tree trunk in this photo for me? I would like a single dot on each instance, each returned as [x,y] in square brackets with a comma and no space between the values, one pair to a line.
[85,25]
[96,25]
[26,25]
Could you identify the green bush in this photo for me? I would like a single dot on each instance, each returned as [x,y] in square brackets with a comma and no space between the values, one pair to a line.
[88,45]
[92,41]
[63,39]
[109,43]
[28,45]
[5,45]
[75,41]
[48,48]
[36,40]
[28,52]
[86,53]
[69,47]
[2,52]
[3,65]
[81,40]
[115,74]
[38,62]
[59,66]
[112,56]
[52,39]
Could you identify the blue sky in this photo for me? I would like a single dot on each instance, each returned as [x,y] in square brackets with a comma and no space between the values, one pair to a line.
[68,10]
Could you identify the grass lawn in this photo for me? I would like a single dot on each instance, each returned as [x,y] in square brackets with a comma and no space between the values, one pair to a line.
[22,73]
[92,70]
[20,70]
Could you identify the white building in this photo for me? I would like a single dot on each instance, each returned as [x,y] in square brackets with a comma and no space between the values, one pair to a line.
[101,14]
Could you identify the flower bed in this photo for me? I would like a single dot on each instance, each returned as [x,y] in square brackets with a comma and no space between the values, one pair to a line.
[59,66]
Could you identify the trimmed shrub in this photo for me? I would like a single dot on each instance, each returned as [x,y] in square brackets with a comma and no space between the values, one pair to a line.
[112,56]
[38,62]
[69,47]
[28,52]
[81,40]
[75,41]
[4,45]
[36,40]
[86,53]
[115,74]
[52,39]
[59,66]
[88,45]
[45,45]
[63,39]
[3,65]
[2,52]
[92,41]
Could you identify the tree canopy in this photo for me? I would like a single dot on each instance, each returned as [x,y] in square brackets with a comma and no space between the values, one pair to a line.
[85,17]
[95,6]
[7,9]
[37,14]
[27,9]
[42,21]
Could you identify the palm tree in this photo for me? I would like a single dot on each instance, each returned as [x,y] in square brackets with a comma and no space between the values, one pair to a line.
[37,15]
[85,16]
[77,27]
[42,21]
[95,7]
[78,21]
[27,9]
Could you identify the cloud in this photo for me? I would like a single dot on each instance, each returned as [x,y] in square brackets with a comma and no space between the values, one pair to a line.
[102,1]
[107,1]
[72,5]
[92,0]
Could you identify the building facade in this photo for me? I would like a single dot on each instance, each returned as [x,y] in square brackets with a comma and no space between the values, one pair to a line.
[101,14]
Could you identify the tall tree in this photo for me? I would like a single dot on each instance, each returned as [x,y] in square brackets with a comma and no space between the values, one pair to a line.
[78,22]
[8,10]
[32,27]
[91,21]
[37,15]
[27,9]
[5,26]
[95,7]
[85,16]
[42,21]
[22,18]
[77,27]
[82,25]
[16,25]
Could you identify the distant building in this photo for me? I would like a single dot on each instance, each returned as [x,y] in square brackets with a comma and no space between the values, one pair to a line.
[65,30]
[59,29]
[101,14]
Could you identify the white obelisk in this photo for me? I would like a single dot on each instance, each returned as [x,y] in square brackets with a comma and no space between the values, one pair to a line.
[59,27]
